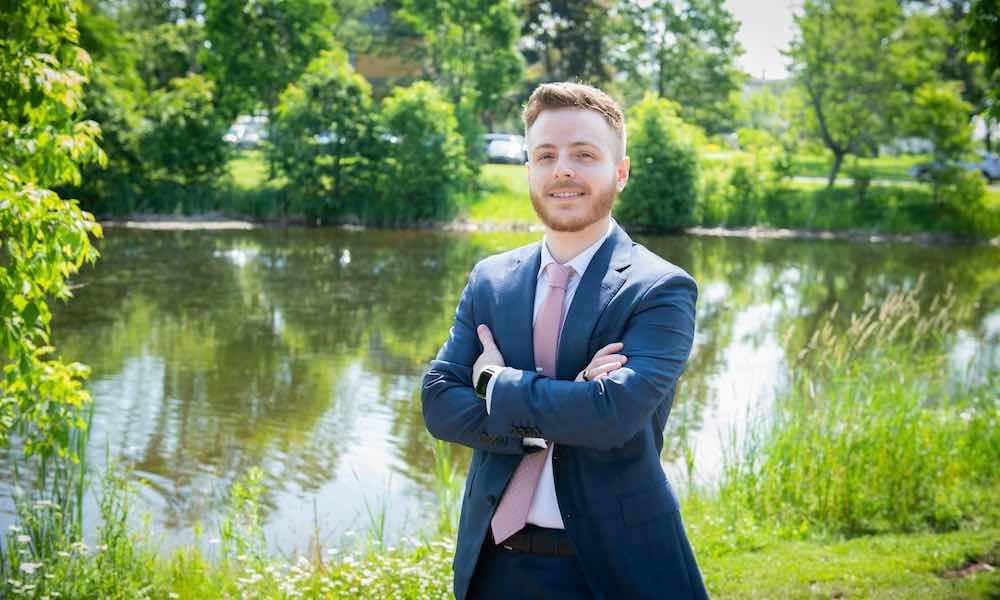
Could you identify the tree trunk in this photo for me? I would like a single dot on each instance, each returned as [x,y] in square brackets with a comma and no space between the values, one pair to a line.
[838,159]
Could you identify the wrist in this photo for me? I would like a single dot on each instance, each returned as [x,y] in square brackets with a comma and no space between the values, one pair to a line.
[483,380]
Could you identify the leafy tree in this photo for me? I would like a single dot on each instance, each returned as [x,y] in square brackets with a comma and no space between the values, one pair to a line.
[569,39]
[982,36]
[320,136]
[468,50]
[113,98]
[256,49]
[663,184]
[167,51]
[424,168]
[941,116]
[44,238]
[947,24]
[683,51]
[857,60]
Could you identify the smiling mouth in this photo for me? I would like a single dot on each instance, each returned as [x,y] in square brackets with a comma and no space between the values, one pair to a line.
[565,195]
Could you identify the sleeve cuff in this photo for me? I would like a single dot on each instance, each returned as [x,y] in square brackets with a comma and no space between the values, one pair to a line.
[489,389]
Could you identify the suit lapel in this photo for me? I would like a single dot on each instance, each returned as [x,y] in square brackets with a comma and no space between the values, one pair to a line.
[600,282]
[519,348]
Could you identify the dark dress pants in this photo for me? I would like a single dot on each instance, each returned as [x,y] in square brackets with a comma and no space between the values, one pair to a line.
[503,574]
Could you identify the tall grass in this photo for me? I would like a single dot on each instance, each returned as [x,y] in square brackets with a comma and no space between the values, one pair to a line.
[873,434]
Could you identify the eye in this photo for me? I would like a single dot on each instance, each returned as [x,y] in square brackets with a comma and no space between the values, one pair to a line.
[545,156]
[586,155]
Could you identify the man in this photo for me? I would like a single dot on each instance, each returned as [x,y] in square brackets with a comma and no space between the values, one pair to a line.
[566,496]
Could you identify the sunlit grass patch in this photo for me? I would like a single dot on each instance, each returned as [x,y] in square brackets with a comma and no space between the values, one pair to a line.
[504,197]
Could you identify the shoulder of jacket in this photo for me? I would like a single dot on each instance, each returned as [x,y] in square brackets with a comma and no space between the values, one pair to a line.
[503,261]
[654,268]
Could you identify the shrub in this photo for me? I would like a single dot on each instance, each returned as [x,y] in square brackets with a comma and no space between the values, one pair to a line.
[747,193]
[424,167]
[182,142]
[663,185]
[320,137]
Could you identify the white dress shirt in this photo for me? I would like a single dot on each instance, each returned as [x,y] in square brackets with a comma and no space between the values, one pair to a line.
[544,510]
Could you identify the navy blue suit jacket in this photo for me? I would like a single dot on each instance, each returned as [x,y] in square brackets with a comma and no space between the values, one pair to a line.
[618,508]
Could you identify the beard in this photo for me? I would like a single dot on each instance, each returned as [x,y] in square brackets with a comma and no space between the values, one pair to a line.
[599,205]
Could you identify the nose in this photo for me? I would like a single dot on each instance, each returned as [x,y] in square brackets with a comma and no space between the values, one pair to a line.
[563,169]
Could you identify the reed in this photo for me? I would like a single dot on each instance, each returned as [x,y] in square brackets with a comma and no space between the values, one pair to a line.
[875,433]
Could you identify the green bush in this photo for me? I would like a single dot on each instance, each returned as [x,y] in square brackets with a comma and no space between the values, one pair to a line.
[755,139]
[663,185]
[183,140]
[744,191]
[320,137]
[424,168]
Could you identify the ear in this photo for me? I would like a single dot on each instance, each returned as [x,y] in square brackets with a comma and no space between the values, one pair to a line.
[621,173]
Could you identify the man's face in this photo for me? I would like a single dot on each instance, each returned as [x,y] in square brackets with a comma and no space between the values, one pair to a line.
[574,173]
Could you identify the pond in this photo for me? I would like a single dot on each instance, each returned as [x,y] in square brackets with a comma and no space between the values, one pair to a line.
[301,351]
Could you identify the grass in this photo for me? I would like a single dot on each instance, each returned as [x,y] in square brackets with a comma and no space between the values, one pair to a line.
[504,199]
[893,168]
[887,566]
[854,447]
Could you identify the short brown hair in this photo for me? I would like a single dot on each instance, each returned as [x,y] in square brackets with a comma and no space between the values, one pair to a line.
[565,94]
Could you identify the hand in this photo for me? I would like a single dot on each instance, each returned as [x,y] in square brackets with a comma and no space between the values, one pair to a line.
[604,363]
[490,356]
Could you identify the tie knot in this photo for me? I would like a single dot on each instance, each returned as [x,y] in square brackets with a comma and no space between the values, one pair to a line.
[559,275]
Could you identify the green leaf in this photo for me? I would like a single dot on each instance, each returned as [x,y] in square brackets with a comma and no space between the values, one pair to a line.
[30,314]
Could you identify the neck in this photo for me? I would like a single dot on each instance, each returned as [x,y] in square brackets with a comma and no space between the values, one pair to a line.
[566,245]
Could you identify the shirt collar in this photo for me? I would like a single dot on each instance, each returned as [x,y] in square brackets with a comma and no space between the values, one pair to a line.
[581,261]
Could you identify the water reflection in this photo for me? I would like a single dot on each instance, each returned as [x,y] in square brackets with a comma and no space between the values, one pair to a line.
[301,351]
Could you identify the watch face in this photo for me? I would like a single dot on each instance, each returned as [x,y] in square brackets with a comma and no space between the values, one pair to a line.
[484,379]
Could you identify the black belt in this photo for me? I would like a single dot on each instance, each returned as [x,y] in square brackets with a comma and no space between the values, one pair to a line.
[540,540]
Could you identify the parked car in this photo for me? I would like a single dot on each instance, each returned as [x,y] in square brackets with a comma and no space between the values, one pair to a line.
[505,148]
[247,132]
[988,164]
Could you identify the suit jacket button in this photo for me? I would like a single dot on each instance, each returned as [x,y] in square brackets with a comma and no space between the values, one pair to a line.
[491,500]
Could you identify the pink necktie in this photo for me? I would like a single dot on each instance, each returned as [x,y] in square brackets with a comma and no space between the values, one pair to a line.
[512,514]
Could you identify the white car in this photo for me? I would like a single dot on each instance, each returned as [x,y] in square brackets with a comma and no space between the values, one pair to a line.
[505,148]
[988,164]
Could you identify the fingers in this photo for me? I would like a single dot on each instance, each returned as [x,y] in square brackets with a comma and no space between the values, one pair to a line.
[612,347]
[604,370]
[486,338]
[619,358]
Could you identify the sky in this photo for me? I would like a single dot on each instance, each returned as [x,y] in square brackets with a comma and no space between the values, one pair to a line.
[766,26]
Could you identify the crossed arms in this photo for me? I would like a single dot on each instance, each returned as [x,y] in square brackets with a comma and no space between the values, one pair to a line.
[603,413]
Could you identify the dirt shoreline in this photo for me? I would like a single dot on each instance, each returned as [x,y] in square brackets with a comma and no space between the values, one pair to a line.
[218,221]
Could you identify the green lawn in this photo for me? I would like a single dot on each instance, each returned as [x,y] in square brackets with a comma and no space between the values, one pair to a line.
[505,197]
[886,566]
[249,171]
[888,167]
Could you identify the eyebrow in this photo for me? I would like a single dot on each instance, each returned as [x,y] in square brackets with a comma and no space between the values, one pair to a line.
[574,144]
